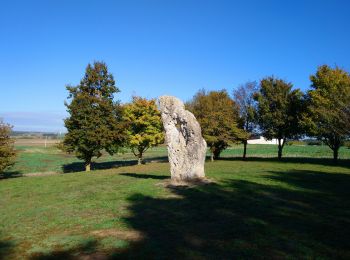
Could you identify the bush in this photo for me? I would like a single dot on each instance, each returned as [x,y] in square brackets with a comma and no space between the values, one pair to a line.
[313,142]
[295,142]
[7,151]
[347,144]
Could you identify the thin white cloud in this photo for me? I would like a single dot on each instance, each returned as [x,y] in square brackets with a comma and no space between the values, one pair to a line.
[35,121]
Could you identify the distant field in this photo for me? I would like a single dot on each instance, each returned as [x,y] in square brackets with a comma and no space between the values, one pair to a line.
[33,157]
[35,141]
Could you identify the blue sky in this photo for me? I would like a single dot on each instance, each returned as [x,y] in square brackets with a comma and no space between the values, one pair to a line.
[159,47]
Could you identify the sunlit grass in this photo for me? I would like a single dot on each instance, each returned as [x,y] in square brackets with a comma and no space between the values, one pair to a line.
[33,159]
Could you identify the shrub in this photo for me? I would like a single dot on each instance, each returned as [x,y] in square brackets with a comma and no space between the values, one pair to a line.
[296,142]
[347,144]
[7,151]
[313,142]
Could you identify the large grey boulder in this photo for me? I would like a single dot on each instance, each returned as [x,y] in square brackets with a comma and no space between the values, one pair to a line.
[186,146]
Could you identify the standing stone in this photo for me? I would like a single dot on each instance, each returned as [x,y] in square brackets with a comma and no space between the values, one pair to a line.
[186,146]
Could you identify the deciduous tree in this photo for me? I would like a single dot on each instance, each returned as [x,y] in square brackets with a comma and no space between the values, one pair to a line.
[244,98]
[7,150]
[218,116]
[279,109]
[95,122]
[328,107]
[145,128]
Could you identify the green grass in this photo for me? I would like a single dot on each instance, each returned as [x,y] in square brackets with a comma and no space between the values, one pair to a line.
[306,151]
[36,159]
[33,159]
[260,208]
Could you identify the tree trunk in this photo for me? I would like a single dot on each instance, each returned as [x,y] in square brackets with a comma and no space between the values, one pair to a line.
[139,159]
[334,142]
[280,147]
[245,142]
[87,166]
[335,154]
[216,154]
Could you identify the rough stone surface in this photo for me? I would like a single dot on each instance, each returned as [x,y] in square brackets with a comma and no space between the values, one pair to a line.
[186,146]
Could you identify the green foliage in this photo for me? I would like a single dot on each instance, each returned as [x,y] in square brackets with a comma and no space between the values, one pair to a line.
[279,110]
[347,144]
[327,115]
[145,128]
[95,121]
[7,150]
[313,142]
[218,116]
[295,142]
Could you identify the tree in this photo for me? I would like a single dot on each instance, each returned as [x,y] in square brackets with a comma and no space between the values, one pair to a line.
[7,150]
[279,110]
[218,116]
[328,104]
[95,121]
[244,98]
[145,128]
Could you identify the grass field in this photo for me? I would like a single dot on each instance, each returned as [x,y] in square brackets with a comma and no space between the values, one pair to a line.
[35,158]
[260,208]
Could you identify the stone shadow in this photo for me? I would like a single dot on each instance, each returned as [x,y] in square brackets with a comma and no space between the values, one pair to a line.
[145,176]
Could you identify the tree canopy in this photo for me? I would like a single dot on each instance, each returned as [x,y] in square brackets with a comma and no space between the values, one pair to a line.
[279,109]
[95,121]
[218,116]
[244,98]
[328,107]
[145,127]
[7,150]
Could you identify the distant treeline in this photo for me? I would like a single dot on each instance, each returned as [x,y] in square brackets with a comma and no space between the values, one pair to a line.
[30,135]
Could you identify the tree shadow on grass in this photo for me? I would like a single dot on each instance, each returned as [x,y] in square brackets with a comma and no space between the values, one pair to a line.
[79,166]
[84,250]
[10,174]
[6,248]
[156,159]
[325,184]
[309,160]
[293,214]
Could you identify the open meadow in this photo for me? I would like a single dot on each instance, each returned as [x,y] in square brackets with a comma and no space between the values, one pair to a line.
[261,208]
[35,158]
[175,130]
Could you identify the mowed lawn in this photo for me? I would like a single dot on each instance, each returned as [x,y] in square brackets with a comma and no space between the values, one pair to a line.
[35,158]
[260,208]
